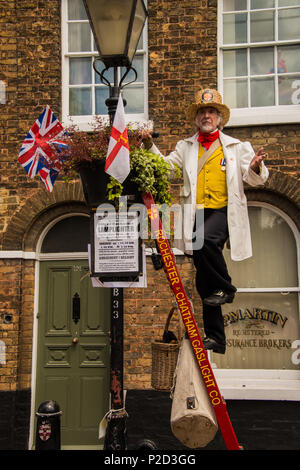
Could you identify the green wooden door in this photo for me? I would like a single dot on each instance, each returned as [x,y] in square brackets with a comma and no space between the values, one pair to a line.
[73,358]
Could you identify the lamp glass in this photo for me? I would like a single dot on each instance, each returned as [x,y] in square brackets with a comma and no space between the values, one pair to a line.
[137,28]
[110,21]
[117,26]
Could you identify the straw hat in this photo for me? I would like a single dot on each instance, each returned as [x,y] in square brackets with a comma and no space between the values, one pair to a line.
[208,98]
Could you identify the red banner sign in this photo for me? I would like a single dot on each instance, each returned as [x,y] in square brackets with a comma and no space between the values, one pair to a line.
[188,319]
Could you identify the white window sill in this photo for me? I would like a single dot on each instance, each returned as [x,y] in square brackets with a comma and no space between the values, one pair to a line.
[264,116]
[258,384]
[85,123]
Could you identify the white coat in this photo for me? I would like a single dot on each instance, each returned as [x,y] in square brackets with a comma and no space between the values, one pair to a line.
[238,157]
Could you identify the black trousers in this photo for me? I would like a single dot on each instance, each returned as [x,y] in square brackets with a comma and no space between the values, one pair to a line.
[211,270]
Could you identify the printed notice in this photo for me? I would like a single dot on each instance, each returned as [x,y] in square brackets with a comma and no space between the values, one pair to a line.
[116,243]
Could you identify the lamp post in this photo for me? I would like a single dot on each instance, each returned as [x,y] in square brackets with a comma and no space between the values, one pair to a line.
[117,26]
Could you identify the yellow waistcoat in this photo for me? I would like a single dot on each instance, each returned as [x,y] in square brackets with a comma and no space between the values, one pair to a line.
[211,181]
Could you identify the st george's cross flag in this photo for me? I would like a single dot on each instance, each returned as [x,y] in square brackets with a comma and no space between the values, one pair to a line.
[117,160]
[37,152]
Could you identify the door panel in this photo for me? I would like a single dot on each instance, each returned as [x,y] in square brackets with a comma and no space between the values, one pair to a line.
[89,387]
[73,357]
[92,305]
[59,289]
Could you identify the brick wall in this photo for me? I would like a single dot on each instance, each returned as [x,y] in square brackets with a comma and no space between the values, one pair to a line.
[10,285]
[182,56]
[280,141]
[30,64]
[16,322]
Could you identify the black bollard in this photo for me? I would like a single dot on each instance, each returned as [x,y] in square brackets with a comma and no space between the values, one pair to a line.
[146,444]
[48,426]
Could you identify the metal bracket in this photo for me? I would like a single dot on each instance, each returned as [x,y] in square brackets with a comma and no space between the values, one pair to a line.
[190,403]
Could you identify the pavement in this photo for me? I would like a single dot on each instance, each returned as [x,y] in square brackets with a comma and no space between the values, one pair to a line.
[258,424]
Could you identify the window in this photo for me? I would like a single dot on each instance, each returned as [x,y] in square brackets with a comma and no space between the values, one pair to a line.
[83,93]
[262,324]
[259,60]
[70,234]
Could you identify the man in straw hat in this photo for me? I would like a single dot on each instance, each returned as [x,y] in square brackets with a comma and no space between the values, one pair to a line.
[214,168]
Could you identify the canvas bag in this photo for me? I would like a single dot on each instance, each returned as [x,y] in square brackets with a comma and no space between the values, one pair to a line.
[193,420]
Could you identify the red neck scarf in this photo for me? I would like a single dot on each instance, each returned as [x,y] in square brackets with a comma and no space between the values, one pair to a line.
[206,139]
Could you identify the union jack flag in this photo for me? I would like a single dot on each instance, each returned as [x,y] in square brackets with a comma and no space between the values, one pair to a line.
[37,152]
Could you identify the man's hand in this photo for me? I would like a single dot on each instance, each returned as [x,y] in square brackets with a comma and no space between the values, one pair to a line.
[147,139]
[257,159]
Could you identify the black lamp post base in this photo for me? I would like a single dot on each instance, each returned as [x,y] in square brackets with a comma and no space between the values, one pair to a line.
[115,437]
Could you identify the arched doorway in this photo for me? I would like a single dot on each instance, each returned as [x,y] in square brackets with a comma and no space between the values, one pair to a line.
[72,359]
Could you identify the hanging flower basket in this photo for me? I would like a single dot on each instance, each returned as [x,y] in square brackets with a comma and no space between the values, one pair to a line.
[94,181]
[86,156]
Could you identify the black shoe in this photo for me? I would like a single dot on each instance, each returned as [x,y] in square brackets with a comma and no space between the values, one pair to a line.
[210,343]
[219,298]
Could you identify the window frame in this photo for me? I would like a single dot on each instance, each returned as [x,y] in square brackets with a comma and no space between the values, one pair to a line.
[296,234]
[278,114]
[264,384]
[84,121]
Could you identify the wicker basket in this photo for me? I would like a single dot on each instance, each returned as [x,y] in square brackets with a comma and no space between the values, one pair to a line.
[164,360]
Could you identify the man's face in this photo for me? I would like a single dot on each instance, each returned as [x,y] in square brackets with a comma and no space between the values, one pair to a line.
[207,119]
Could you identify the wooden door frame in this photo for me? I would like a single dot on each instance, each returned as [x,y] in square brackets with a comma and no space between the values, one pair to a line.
[38,258]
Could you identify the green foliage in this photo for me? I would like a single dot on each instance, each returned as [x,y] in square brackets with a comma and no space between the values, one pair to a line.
[149,172]
[114,189]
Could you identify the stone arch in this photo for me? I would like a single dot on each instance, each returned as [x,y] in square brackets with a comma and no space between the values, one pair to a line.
[285,185]
[282,191]
[26,225]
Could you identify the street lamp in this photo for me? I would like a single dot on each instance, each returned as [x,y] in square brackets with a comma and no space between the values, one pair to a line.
[117,26]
